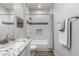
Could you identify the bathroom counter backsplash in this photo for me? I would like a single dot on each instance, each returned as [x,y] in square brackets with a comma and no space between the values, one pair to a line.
[14,48]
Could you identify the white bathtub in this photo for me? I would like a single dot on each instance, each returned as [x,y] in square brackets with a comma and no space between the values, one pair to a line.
[41,44]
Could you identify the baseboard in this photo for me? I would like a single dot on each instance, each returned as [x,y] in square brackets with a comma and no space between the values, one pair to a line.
[55,53]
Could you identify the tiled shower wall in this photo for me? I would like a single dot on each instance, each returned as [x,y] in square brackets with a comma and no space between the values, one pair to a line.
[43,35]
[33,29]
[21,10]
[42,40]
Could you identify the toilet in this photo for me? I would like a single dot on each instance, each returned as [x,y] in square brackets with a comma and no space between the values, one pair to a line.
[33,49]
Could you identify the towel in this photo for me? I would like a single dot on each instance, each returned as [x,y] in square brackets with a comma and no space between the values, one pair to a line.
[69,31]
[62,25]
[64,36]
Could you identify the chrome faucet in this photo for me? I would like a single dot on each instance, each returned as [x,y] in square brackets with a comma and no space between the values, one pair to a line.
[5,40]
[12,38]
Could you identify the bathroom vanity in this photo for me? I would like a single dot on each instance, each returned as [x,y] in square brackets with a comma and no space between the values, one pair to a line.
[19,47]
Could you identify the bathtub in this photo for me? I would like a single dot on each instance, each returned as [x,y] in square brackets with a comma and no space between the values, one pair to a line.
[42,45]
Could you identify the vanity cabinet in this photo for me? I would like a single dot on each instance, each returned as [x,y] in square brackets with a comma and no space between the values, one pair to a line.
[26,51]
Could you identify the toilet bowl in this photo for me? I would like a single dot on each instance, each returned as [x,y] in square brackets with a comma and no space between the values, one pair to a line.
[33,47]
[33,50]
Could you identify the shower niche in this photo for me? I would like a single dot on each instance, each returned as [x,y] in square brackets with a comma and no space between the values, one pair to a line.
[39,31]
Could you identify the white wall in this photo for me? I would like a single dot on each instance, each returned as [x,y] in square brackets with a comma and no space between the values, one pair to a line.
[18,8]
[26,17]
[20,11]
[27,26]
[61,12]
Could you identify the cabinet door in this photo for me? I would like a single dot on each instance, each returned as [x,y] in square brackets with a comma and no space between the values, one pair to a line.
[26,51]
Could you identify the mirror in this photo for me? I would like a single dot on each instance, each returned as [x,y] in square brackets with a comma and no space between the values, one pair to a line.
[6,20]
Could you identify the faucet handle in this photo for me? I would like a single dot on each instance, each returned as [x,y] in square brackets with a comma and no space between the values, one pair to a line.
[13,38]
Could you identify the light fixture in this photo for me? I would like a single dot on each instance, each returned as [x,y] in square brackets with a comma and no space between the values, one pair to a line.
[39,6]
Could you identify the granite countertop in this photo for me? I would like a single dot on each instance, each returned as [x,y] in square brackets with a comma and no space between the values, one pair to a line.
[14,48]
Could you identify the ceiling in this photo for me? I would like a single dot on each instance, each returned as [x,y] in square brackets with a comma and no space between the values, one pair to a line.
[43,6]
[8,6]
[31,6]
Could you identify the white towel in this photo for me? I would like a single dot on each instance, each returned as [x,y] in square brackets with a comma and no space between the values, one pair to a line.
[62,25]
[69,28]
[68,33]
[64,36]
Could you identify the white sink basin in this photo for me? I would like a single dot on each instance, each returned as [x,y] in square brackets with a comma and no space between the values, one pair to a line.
[20,40]
[16,45]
